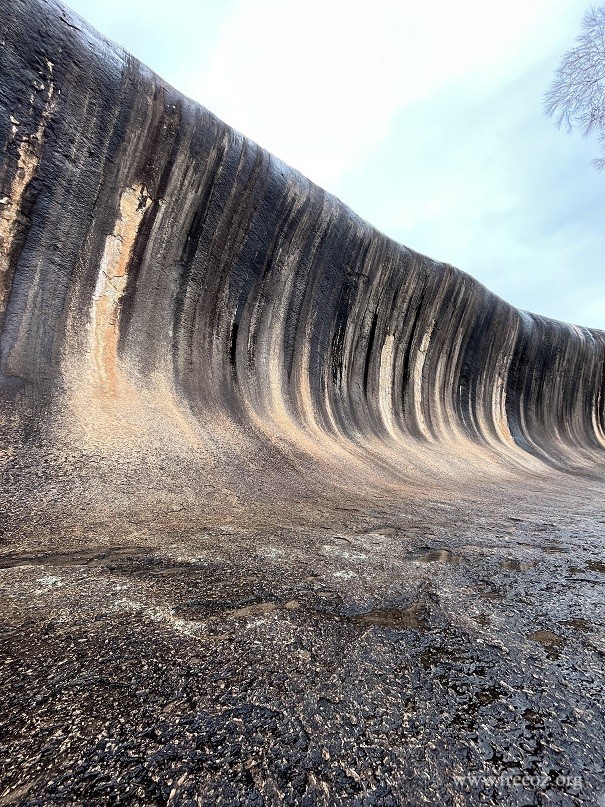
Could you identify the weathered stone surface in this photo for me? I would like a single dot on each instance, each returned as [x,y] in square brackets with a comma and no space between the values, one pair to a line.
[290,513]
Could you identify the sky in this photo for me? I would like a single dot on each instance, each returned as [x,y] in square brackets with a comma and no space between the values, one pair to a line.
[424,117]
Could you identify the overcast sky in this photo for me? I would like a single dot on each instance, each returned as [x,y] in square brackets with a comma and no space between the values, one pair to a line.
[424,117]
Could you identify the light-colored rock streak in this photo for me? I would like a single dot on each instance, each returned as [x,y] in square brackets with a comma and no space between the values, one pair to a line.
[417,376]
[385,383]
[29,151]
[111,283]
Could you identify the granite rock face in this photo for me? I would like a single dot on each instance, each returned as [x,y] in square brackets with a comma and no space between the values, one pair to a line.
[248,437]
[142,238]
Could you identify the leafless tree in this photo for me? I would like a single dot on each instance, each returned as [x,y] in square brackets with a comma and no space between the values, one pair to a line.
[576,97]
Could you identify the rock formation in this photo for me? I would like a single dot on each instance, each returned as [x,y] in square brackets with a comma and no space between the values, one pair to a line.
[206,359]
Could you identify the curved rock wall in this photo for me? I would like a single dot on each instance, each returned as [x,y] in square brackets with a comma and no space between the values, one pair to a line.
[145,245]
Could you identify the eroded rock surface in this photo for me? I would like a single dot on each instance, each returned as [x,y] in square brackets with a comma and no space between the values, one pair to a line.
[290,513]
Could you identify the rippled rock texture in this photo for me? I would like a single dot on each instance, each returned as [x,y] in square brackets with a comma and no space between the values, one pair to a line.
[291,513]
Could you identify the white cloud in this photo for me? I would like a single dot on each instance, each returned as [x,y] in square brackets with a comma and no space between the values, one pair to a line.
[319,83]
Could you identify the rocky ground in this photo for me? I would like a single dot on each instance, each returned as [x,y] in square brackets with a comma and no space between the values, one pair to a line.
[432,653]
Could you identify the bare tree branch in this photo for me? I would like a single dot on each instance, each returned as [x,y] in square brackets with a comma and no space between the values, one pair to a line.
[576,96]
